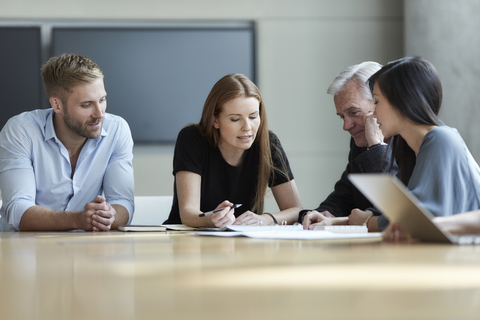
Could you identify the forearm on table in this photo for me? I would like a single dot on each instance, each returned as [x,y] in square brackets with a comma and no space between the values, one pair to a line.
[463,223]
[190,217]
[372,224]
[289,215]
[38,218]
[288,200]
[121,216]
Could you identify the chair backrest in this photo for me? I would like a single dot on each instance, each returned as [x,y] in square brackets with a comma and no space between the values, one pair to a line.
[151,210]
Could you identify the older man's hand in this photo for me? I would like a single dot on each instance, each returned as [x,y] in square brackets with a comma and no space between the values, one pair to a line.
[313,218]
[373,134]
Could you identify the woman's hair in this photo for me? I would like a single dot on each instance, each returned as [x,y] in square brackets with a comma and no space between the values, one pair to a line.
[412,86]
[60,74]
[358,73]
[227,88]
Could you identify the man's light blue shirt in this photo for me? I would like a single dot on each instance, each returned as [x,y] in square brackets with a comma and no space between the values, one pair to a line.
[35,167]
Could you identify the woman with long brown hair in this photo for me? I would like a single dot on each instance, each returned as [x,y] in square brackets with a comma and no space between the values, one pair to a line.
[229,158]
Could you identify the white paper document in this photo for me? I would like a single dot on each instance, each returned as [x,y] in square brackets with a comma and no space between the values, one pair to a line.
[183,227]
[294,234]
[264,228]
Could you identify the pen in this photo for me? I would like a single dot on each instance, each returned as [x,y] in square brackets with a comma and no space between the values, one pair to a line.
[235,206]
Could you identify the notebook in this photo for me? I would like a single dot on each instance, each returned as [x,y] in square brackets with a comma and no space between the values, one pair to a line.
[399,205]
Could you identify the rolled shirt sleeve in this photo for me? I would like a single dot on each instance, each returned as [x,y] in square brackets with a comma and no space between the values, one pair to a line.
[118,180]
[17,177]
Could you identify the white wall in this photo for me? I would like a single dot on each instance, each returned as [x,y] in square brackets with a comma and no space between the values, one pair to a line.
[302,46]
[447,34]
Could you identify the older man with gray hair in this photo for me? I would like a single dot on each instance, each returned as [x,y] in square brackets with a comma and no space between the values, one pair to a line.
[354,105]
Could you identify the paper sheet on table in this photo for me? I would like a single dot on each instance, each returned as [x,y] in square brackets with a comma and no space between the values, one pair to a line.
[183,227]
[264,228]
[295,234]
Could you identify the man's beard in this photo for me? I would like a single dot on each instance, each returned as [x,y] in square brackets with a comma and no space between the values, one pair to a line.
[80,128]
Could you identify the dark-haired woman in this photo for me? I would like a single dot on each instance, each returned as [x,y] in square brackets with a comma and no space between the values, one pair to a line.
[231,157]
[432,158]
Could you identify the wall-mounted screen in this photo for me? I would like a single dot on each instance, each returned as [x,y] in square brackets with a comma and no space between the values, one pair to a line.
[21,87]
[158,78]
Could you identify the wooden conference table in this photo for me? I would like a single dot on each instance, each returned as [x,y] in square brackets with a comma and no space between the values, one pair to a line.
[175,275]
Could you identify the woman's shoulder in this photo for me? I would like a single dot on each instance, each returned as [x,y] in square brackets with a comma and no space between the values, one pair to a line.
[274,140]
[190,139]
[444,130]
[443,135]
[190,132]
[191,129]
[442,143]
[191,150]
[276,147]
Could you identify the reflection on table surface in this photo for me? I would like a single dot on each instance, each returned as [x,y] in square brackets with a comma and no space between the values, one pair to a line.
[178,275]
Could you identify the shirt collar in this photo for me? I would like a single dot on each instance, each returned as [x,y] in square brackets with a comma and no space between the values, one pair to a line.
[50,130]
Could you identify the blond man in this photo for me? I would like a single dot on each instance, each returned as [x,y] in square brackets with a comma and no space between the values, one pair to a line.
[70,166]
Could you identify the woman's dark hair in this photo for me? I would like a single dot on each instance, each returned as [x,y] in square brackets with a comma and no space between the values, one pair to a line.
[412,86]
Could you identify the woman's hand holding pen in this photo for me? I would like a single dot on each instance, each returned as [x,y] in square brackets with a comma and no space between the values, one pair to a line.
[224,217]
